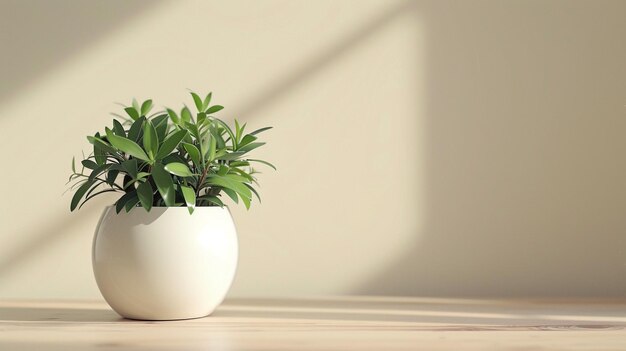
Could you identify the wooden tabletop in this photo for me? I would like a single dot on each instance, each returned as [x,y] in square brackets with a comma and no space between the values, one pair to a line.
[343,323]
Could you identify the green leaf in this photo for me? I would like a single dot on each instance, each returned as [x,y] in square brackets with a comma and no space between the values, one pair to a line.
[89,164]
[220,153]
[121,202]
[171,143]
[146,195]
[127,180]
[193,129]
[242,173]
[212,149]
[173,158]
[101,169]
[216,200]
[204,144]
[78,183]
[99,155]
[246,202]
[236,177]
[218,138]
[225,182]
[227,129]
[112,176]
[223,170]
[178,169]
[193,152]
[239,163]
[173,116]
[160,124]
[151,157]
[103,145]
[232,194]
[136,105]
[243,127]
[185,114]
[214,109]
[146,107]
[237,132]
[250,147]
[95,186]
[118,167]
[130,166]
[118,129]
[263,162]
[247,139]
[150,139]
[230,156]
[207,101]
[80,192]
[127,146]
[254,191]
[142,175]
[131,203]
[135,131]
[260,130]
[200,118]
[132,113]
[197,101]
[190,197]
[164,183]
[129,183]
[100,151]
[212,199]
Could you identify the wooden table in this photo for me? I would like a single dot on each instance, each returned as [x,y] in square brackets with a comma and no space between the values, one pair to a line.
[346,323]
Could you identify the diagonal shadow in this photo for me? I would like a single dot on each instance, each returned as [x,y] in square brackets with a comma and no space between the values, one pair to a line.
[39,35]
[40,239]
[316,64]
[54,230]
[427,311]
[465,251]
[454,313]
[514,205]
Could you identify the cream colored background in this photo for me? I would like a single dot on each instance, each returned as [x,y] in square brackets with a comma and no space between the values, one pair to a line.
[430,148]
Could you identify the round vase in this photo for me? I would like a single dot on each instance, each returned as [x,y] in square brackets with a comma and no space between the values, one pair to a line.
[165,264]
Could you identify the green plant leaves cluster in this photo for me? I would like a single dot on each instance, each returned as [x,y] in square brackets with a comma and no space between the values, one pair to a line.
[170,159]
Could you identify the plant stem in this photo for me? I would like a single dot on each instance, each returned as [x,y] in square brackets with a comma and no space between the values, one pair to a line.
[204,172]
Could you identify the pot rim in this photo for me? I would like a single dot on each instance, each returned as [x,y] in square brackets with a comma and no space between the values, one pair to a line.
[179,208]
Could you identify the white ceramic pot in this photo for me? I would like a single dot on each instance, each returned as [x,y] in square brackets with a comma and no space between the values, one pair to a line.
[165,264]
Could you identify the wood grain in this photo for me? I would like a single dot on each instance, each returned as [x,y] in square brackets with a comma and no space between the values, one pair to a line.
[338,323]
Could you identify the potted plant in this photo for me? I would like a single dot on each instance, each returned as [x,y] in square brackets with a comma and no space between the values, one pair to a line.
[167,249]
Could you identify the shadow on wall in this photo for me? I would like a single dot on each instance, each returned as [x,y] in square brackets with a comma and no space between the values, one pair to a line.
[524,127]
[98,20]
[44,236]
[320,62]
[37,36]
[41,34]
[524,170]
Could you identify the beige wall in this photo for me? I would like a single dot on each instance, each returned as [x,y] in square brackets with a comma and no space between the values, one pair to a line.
[440,148]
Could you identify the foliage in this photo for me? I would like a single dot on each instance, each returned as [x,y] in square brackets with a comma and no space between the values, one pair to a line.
[169,159]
